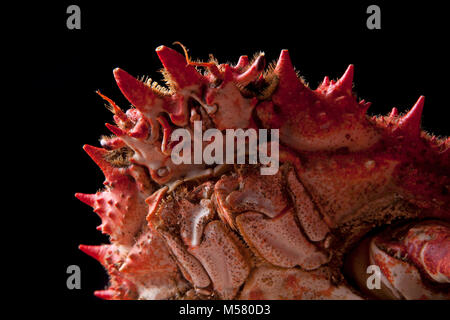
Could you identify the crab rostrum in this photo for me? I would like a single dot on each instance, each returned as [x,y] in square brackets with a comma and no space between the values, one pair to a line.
[351,191]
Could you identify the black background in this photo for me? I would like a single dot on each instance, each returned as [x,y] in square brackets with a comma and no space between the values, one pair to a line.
[407,58]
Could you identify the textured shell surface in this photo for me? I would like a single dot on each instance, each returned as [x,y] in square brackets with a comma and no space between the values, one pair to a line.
[352,191]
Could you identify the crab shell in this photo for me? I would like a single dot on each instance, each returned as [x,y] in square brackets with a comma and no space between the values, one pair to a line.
[200,231]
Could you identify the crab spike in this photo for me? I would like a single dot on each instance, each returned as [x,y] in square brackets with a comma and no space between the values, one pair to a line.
[284,68]
[88,199]
[98,155]
[325,83]
[137,92]
[410,123]
[323,87]
[291,92]
[227,73]
[364,106]
[243,62]
[289,81]
[393,113]
[108,294]
[96,252]
[345,83]
[112,143]
[252,72]
[178,67]
[116,130]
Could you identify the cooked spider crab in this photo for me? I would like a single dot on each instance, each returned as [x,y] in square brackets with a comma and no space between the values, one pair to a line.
[352,191]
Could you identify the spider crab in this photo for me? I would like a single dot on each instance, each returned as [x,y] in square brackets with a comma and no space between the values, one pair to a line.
[352,191]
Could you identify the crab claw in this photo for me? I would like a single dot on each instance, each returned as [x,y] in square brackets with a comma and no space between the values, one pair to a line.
[409,259]
[427,246]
